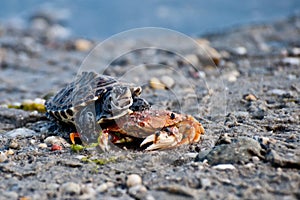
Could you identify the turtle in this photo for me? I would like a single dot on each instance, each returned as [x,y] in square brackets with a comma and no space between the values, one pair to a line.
[103,109]
[93,99]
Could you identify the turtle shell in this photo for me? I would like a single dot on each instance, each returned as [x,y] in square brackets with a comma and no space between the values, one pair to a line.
[110,98]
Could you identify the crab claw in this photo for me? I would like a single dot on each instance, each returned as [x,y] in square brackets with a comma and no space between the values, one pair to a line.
[187,131]
[163,139]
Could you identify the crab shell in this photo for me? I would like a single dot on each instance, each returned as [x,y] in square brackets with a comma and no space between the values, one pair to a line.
[164,129]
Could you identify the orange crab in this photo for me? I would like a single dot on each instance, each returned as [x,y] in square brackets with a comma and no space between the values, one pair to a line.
[160,129]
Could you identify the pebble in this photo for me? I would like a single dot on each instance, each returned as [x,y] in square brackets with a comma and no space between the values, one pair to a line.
[133,180]
[240,50]
[168,81]
[20,132]
[82,45]
[255,159]
[56,140]
[192,59]
[205,182]
[42,145]
[14,145]
[102,188]
[138,191]
[9,152]
[291,61]
[250,97]
[70,188]
[3,157]
[156,84]
[277,92]
[9,195]
[224,167]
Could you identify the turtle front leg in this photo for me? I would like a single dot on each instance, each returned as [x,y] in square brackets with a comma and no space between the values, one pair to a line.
[185,132]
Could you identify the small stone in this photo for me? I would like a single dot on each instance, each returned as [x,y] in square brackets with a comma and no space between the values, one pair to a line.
[250,97]
[291,61]
[240,50]
[102,188]
[14,145]
[249,165]
[138,191]
[42,145]
[82,45]
[9,195]
[192,59]
[3,157]
[56,140]
[168,81]
[255,159]
[70,188]
[9,152]
[52,186]
[224,167]
[277,92]
[133,180]
[205,182]
[156,84]
[20,132]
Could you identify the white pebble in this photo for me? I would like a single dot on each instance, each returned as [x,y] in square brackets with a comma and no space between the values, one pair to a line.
[102,188]
[3,157]
[133,180]
[224,167]
[168,81]
[42,145]
[70,188]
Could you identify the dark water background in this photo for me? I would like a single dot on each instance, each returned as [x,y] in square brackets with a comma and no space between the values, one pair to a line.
[101,19]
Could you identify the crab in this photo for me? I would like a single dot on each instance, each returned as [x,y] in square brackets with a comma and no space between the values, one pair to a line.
[103,109]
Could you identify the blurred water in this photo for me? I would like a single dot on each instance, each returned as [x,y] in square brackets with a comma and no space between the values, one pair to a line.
[101,19]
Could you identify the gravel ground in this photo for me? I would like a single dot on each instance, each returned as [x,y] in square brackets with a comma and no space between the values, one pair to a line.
[249,106]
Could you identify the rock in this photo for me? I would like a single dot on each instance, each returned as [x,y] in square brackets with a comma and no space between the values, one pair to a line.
[70,188]
[168,81]
[138,191]
[240,50]
[133,180]
[14,144]
[56,140]
[20,132]
[192,59]
[3,157]
[249,97]
[232,150]
[102,188]
[212,52]
[9,195]
[277,92]
[178,189]
[205,182]
[224,167]
[42,145]
[82,45]
[286,162]
[291,61]
[156,84]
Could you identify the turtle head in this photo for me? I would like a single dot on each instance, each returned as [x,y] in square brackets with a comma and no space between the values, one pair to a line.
[115,103]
